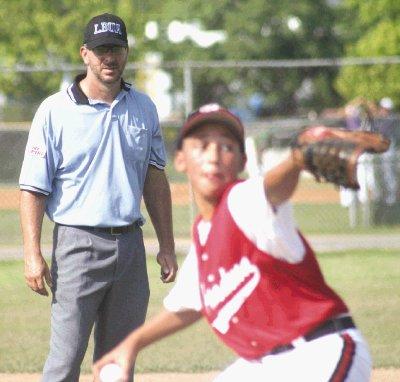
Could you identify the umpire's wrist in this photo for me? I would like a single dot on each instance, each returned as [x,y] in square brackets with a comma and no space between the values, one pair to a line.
[167,246]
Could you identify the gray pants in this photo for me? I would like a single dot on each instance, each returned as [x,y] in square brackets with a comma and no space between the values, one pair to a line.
[98,279]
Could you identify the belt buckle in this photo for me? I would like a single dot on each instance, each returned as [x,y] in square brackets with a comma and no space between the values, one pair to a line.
[115,231]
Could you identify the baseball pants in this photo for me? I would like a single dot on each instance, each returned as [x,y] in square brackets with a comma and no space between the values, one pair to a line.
[98,279]
[338,357]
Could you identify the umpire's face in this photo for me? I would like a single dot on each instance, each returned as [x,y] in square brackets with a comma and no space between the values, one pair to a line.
[105,62]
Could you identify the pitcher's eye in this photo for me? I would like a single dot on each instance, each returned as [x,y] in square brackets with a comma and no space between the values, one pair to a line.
[199,146]
[226,147]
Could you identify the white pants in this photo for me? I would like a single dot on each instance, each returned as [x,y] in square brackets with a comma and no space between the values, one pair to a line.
[332,358]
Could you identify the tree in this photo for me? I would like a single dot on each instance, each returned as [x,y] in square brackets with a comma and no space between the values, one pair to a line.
[49,33]
[260,30]
[376,32]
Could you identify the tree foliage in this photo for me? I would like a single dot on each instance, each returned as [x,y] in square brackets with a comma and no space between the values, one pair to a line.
[376,32]
[259,30]
[49,33]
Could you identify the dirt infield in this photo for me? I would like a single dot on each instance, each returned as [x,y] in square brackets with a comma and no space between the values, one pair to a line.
[307,192]
[378,375]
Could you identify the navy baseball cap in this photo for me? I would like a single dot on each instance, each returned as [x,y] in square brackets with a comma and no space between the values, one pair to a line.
[212,113]
[105,29]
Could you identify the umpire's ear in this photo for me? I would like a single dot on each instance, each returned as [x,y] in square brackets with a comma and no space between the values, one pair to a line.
[83,52]
[180,161]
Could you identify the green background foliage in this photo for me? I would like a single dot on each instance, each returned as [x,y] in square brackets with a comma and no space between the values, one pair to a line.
[373,30]
[49,33]
[258,30]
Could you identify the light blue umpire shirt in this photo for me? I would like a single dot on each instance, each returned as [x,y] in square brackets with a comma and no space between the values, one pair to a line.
[91,158]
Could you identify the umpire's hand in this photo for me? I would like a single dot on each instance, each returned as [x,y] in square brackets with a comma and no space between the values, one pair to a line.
[168,264]
[36,273]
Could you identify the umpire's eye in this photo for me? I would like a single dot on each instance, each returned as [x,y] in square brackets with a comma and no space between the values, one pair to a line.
[104,49]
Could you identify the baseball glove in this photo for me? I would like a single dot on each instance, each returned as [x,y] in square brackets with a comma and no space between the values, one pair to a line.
[331,154]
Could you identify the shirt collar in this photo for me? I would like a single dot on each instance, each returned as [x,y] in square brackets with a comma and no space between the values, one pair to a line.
[79,97]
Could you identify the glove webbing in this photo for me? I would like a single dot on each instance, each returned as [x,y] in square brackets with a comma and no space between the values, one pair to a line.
[333,161]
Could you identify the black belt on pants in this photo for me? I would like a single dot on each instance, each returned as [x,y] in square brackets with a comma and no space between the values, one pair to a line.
[110,230]
[328,327]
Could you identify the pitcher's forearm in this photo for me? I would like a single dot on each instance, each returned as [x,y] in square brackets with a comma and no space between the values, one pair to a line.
[162,325]
[281,181]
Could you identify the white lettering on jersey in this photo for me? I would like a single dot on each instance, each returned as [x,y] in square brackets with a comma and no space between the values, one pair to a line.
[230,282]
[108,27]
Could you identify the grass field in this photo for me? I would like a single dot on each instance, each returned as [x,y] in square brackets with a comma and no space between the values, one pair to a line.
[368,280]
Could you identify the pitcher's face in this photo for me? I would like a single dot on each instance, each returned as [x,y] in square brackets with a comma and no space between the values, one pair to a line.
[211,158]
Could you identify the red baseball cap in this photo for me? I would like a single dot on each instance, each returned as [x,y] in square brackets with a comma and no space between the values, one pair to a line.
[212,113]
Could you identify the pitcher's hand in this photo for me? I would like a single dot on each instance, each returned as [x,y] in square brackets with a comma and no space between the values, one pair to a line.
[124,355]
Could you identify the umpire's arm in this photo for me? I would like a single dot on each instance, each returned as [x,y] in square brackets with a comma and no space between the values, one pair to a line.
[32,206]
[157,197]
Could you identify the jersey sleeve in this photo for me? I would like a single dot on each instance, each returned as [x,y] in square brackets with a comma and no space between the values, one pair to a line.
[40,159]
[272,230]
[157,153]
[185,293]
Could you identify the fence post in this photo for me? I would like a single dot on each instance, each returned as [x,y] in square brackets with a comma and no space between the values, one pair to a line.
[188,85]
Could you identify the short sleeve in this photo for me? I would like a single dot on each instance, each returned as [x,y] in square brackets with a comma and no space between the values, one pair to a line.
[272,230]
[40,159]
[185,293]
[157,153]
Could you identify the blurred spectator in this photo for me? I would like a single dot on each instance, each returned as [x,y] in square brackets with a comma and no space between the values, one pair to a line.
[256,104]
[359,115]
[386,125]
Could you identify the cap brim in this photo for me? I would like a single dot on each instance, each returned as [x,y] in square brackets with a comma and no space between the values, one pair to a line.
[234,126]
[106,41]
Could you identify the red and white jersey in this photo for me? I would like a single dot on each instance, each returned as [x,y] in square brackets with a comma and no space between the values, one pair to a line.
[254,277]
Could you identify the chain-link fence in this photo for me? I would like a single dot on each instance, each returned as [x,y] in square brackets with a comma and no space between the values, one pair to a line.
[322,208]
[319,208]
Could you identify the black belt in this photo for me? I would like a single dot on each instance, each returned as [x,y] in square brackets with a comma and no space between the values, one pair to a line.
[110,230]
[115,230]
[328,327]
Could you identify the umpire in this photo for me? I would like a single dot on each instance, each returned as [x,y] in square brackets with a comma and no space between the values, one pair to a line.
[93,151]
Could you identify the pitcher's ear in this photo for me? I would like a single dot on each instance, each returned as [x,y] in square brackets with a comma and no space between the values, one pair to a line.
[179,161]
[243,162]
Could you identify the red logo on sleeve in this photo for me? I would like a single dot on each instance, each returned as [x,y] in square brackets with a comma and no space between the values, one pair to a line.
[37,151]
